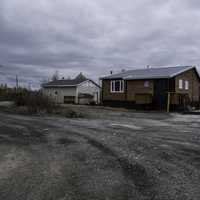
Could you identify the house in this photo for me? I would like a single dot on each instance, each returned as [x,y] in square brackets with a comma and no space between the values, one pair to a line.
[79,90]
[152,87]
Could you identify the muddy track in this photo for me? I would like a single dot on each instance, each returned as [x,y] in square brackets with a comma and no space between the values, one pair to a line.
[54,158]
[135,172]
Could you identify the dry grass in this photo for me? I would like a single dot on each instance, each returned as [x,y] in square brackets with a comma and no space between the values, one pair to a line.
[34,102]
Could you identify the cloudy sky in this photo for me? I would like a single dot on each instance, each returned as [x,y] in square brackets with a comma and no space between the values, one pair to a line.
[95,36]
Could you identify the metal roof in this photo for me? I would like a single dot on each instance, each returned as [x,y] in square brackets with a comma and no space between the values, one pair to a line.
[63,83]
[68,82]
[150,73]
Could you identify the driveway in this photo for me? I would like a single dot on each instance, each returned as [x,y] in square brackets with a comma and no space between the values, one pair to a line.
[109,155]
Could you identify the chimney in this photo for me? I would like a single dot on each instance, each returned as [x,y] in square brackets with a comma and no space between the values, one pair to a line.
[63,78]
[111,72]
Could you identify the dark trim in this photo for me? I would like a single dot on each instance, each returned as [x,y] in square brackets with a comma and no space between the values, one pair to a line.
[94,83]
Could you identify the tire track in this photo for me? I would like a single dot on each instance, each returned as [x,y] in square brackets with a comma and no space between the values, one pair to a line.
[135,172]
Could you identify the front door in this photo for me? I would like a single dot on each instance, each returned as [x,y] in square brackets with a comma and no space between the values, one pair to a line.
[160,93]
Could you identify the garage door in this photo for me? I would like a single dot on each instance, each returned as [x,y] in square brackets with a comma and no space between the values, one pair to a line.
[69,99]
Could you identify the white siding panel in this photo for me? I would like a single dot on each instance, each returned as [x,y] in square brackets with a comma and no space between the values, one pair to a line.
[88,87]
[57,94]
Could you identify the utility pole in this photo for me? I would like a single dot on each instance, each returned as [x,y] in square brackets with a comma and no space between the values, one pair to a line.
[17,83]
[29,86]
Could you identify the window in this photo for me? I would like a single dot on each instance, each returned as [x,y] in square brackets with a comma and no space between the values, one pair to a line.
[146,83]
[187,85]
[117,86]
[180,84]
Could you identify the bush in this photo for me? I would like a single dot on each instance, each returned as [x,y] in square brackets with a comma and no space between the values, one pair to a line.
[73,114]
[34,101]
[7,94]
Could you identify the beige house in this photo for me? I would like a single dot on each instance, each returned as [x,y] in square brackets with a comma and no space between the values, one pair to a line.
[79,90]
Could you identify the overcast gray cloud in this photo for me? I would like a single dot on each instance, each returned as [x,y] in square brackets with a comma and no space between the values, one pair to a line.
[95,36]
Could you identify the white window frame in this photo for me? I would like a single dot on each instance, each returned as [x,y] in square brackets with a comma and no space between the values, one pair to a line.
[186,85]
[180,84]
[121,86]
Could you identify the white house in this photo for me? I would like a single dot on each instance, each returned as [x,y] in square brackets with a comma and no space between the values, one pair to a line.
[79,90]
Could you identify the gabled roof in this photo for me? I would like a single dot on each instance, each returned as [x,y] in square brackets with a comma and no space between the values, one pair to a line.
[68,82]
[63,82]
[151,73]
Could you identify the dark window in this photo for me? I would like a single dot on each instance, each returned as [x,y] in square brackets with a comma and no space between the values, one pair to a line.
[117,86]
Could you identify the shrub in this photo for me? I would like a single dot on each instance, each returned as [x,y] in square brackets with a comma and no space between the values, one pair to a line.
[72,114]
[34,101]
[6,94]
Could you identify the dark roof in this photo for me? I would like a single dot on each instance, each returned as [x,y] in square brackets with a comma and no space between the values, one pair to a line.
[68,82]
[63,82]
[150,73]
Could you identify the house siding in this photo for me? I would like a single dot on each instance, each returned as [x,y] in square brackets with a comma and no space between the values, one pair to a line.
[134,91]
[88,87]
[157,93]
[107,95]
[194,84]
[61,92]
[57,94]
[136,88]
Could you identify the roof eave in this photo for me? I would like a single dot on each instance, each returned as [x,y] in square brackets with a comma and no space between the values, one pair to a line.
[75,85]
[47,86]
[110,78]
[147,78]
[143,78]
[182,71]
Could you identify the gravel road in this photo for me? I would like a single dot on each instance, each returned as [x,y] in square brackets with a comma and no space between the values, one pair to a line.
[109,155]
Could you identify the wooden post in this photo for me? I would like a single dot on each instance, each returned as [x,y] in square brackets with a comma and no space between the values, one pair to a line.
[168,101]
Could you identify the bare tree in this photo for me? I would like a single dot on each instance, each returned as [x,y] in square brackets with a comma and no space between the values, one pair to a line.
[55,76]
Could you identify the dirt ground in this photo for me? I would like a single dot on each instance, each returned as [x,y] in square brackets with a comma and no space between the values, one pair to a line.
[108,155]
